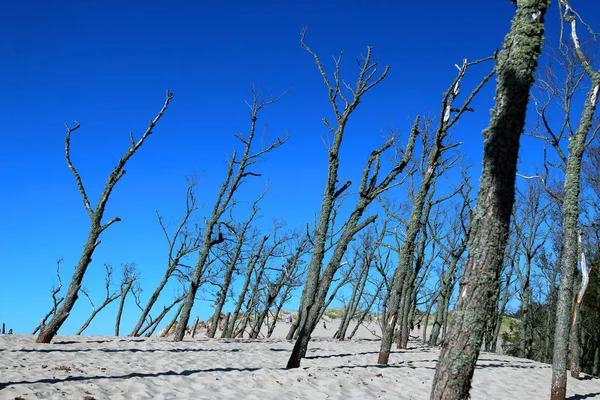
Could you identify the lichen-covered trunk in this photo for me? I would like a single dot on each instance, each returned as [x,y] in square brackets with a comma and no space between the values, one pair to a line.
[313,306]
[47,332]
[570,253]
[515,68]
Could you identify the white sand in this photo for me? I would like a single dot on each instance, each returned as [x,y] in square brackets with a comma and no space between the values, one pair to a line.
[135,368]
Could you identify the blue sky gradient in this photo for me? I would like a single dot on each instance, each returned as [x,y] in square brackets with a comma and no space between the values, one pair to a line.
[108,65]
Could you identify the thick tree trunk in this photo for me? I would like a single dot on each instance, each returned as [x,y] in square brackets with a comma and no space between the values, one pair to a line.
[490,221]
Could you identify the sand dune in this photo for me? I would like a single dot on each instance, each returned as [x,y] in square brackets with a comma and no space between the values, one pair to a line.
[154,368]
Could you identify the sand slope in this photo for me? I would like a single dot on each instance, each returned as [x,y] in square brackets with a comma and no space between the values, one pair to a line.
[200,368]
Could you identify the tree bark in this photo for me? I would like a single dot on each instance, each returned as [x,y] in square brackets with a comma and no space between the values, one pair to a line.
[490,221]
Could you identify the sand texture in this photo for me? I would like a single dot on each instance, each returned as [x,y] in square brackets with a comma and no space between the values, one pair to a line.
[200,368]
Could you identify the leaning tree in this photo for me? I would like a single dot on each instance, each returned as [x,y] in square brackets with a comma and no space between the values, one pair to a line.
[319,277]
[96,214]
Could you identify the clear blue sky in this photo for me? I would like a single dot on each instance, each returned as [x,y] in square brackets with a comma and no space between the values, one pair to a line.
[108,64]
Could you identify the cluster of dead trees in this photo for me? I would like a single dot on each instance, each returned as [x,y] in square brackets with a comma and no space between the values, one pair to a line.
[410,243]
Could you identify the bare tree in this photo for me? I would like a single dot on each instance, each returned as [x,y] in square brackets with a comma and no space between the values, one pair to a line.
[515,69]
[531,214]
[431,166]
[570,208]
[319,279]
[253,260]
[240,235]
[454,244]
[55,300]
[184,242]
[110,296]
[128,278]
[47,332]
[237,171]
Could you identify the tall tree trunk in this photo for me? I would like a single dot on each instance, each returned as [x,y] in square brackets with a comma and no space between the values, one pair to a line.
[490,221]
[570,208]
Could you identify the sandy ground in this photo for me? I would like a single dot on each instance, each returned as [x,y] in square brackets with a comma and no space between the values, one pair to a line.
[200,368]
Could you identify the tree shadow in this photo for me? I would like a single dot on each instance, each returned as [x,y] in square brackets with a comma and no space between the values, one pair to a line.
[365,353]
[126,376]
[583,396]
[390,366]
[132,350]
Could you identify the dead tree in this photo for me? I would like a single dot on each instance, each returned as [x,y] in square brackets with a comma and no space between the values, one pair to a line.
[55,300]
[184,242]
[515,69]
[531,214]
[286,279]
[47,332]
[578,140]
[431,167]
[229,329]
[127,280]
[240,233]
[365,255]
[109,298]
[237,172]
[319,277]
[454,244]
